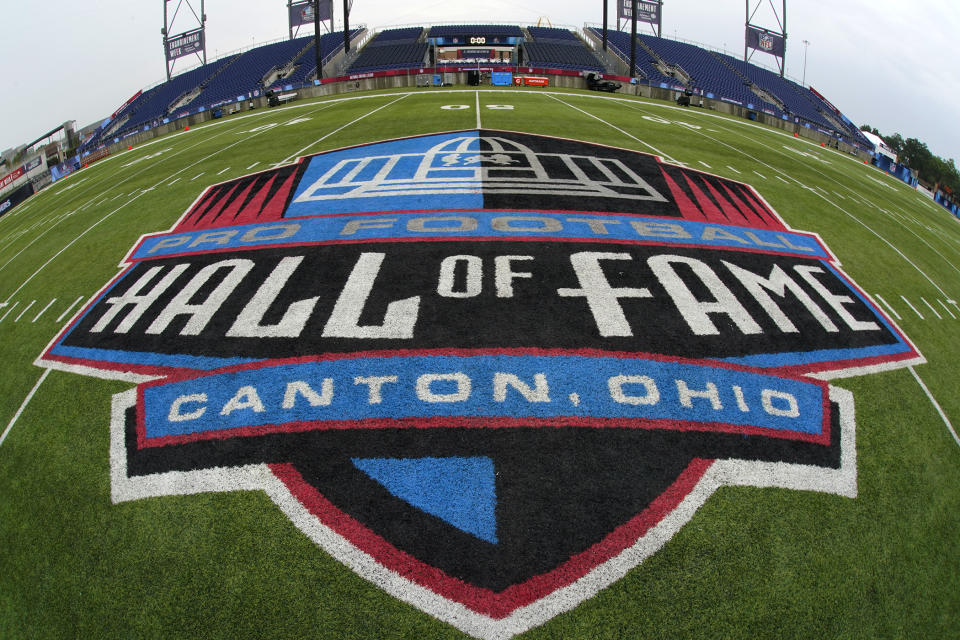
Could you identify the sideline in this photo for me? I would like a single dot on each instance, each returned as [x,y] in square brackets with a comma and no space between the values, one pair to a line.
[27,400]
[933,401]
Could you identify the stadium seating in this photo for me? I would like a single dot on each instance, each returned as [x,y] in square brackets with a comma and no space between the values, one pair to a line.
[561,55]
[540,34]
[292,63]
[224,80]
[392,49]
[619,44]
[248,71]
[707,73]
[788,92]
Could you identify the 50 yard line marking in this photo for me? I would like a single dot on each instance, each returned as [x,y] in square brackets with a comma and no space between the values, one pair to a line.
[477,94]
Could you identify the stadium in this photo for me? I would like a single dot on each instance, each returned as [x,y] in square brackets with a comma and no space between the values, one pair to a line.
[484,329]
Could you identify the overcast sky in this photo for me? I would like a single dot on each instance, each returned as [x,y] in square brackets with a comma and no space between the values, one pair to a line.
[883,62]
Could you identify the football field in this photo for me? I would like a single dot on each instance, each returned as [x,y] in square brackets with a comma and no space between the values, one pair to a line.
[865,547]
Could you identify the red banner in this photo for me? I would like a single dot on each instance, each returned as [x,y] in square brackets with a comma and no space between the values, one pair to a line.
[125,105]
[11,177]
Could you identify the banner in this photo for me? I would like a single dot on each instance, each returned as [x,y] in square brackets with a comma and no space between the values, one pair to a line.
[648,12]
[301,13]
[183,45]
[826,102]
[9,179]
[126,104]
[13,199]
[766,41]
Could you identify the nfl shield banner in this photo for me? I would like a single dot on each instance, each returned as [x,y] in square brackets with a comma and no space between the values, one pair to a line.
[766,41]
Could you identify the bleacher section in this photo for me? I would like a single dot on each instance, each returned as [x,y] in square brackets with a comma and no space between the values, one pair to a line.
[619,43]
[723,77]
[392,49]
[225,80]
[660,62]
[248,70]
[560,55]
[788,92]
[540,34]
[707,73]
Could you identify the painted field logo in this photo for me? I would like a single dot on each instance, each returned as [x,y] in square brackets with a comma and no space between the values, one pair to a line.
[490,372]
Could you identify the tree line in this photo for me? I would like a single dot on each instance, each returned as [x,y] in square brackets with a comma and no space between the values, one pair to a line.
[931,169]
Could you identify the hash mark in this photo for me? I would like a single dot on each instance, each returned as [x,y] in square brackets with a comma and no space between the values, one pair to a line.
[939,317]
[69,309]
[947,308]
[25,309]
[9,310]
[50,304]
[913,307]
[887,305]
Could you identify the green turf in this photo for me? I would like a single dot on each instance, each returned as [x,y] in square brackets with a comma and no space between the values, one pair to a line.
[752,563]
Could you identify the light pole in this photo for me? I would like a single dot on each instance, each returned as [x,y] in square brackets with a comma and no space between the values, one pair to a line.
[806,43]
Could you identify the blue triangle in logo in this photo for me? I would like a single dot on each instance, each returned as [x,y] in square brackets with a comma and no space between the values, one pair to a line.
[459,491]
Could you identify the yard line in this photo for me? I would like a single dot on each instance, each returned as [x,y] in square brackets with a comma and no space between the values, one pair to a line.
[69,309]
[933,401]
[939,317]
[947,308]
[27,308]
[338,130]
[613,126]
[732,169]
[253,165]
[704,164]
[913,307]
[9,310]
[197,176]
[477,94]
[23,406]
[782,180]
[887,305]
[50,304]
[223,170]
[173,182]
[839,195]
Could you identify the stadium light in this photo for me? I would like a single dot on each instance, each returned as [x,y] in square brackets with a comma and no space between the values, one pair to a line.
[806,43]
